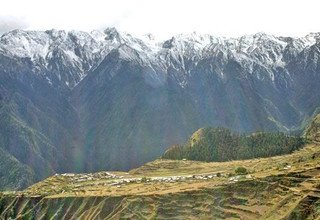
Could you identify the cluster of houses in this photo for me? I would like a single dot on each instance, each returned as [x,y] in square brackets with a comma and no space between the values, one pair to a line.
[118,180]
[90,176]
[121,180]
[112,180]
[81,183]
[164,179]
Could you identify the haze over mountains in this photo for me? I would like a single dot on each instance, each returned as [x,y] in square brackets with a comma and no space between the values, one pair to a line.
[82,102]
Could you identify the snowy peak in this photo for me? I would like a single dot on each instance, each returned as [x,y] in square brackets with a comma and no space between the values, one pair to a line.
[24,43]
[34,44]
[77,52]
[57,52]
[38,43]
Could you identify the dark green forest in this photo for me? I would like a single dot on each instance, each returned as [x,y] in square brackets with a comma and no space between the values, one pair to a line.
[220,144]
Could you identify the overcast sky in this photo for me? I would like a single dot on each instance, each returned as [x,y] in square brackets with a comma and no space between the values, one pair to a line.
[165,18]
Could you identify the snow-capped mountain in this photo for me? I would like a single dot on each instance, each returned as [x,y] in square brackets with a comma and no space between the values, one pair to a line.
[79,52]
[88,101]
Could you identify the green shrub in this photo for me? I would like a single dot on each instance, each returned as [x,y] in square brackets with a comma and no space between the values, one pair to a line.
[144,179]
[241,171]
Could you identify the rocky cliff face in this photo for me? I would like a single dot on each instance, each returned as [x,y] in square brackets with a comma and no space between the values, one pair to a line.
[78,101]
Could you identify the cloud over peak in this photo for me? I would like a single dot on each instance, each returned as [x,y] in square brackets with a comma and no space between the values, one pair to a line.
[8,23]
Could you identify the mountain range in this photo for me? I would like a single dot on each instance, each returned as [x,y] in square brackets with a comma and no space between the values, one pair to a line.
[73,101]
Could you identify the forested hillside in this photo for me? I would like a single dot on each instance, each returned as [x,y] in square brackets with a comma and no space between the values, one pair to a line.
[220,144]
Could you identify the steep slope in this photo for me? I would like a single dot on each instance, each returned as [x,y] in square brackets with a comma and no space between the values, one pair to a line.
[126,115]
[312,131]
[89,101]
[13,173]
[37,123]
[39,126]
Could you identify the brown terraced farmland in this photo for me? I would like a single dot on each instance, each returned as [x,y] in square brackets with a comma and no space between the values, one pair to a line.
[281,187]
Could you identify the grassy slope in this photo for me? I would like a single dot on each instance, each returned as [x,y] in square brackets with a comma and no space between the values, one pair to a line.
[276,191]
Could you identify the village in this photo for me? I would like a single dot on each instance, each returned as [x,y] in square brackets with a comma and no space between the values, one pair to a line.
[108,179]
[114,182]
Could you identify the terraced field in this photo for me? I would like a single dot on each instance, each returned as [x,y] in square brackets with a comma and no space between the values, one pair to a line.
[282,187]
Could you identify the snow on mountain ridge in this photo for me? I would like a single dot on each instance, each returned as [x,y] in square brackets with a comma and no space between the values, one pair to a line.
[30,43]
[85,50]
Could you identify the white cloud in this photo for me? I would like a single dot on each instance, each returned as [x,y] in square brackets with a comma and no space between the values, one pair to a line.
[168,17]
[8,23]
